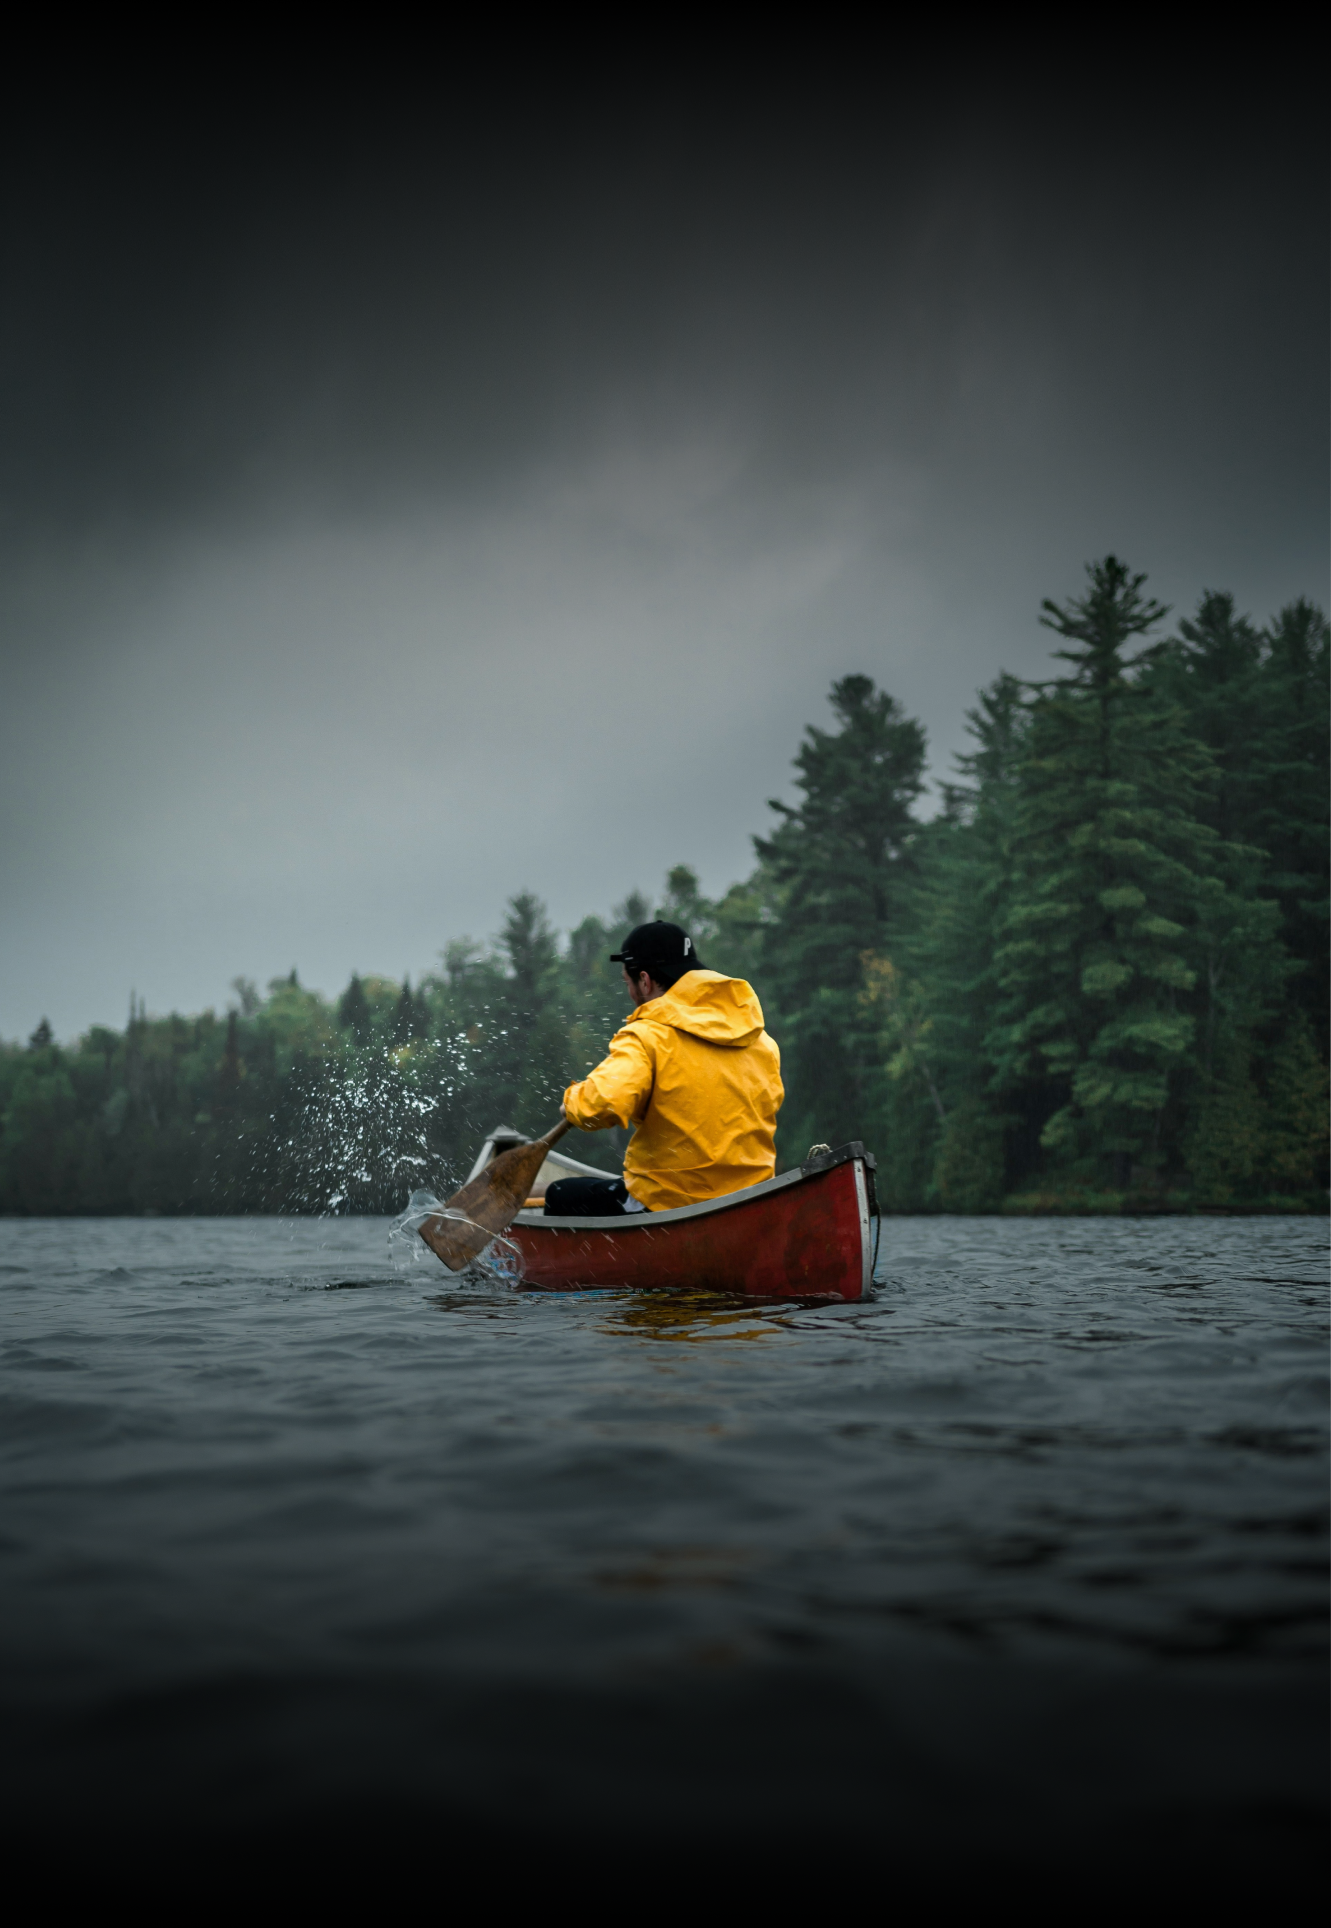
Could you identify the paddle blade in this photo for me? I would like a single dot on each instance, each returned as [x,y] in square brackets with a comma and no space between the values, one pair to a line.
[488,1204]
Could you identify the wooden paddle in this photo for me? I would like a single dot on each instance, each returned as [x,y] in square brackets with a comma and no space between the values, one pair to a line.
[489,1203]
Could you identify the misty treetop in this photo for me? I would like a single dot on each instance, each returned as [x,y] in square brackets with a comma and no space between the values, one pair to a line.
[1095,980]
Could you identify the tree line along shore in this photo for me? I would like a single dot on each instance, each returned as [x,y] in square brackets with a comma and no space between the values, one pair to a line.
[1094,981]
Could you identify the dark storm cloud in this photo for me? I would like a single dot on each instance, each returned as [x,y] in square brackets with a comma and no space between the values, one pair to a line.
[362,306]
[415,499]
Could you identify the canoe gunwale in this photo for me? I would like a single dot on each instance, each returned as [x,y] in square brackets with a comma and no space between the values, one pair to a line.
[644,1221]
[748,1194]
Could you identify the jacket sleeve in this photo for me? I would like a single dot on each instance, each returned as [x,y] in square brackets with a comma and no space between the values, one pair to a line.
[618,1091]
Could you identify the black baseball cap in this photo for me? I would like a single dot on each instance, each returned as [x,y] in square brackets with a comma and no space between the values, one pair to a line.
[659,943]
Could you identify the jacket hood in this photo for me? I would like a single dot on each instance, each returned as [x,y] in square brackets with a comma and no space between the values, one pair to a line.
[722,1010]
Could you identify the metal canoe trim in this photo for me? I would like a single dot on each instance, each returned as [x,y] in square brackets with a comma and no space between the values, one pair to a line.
[866,1251]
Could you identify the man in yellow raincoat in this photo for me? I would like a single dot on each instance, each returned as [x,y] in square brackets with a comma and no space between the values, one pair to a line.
[693,1071]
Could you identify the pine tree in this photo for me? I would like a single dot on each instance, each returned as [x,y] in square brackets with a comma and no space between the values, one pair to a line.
[906,1122]
[532,952]
[1294,1145]
[1258,699]
[839,861]
[1291,803]
[353,1011]
[938,1132]
[684,904]
[526,1055]
[626,917]
[1212,670]
[245,989]
[594,995]
[231,1070]
[741,920]
[1119,895]
[947,954]
[404,1026]
[38,1136]
[1223,1141]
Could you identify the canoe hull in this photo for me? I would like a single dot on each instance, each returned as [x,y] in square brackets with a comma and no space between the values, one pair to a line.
[806,1235]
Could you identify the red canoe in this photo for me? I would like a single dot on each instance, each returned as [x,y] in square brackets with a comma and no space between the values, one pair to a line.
[808,1234]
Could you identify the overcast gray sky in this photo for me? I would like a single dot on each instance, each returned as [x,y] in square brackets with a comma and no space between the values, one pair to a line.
[394,520]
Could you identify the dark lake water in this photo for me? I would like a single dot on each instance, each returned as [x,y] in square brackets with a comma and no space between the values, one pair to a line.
[1020,1566]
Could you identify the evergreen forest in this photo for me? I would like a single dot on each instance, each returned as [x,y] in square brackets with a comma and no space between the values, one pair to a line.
[1094,981]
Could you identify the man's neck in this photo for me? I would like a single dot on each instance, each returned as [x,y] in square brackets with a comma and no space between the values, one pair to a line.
[641,997]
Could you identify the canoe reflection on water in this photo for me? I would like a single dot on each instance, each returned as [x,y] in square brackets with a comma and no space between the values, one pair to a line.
[690,1317]
[685,1316]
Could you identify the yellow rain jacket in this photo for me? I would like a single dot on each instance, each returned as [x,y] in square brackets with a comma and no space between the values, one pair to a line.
[699,1077]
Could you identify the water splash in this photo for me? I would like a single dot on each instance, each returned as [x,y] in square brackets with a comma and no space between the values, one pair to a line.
[500,1261]
[359,1129]
[364,1128]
